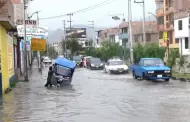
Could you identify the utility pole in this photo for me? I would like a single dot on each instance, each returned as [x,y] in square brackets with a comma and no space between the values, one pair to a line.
[25,50]
[70,21]
[64,38]
[144,34]
[93,37]
[189,29]
[130,31]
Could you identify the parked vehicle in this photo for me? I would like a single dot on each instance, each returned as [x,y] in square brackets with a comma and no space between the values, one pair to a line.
[47,61]
[63,72]
[86,61]
[77,60]
[61,56]
[151,69]
[96,63]
[116,66]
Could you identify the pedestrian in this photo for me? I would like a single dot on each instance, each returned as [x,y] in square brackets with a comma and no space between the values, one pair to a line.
[50,74]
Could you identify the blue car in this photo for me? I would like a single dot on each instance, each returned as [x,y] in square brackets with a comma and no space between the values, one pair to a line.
[151,69]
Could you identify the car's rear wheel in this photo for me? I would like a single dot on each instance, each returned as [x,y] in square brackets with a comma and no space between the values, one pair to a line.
[134,75]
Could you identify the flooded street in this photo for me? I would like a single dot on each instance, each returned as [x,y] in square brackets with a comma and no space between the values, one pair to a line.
[97,97]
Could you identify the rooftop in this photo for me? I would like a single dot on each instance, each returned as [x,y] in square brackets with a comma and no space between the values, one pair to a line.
[137,23]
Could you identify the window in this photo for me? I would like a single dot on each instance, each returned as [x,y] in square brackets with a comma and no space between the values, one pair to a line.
[176,40]
[170,37]
[186,43]
[124,30]
[180,25]
[106,35]
[160,35]
[171,18]
[171,3]
[148,37]
[136,38]
[160,20]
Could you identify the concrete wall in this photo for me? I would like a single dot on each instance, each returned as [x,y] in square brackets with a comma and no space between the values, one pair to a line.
[185,31]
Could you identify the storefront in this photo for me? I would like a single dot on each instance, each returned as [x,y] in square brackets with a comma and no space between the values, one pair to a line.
[4,59]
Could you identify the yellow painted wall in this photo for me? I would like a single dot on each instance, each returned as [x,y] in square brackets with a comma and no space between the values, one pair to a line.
[4,58]
[10,56]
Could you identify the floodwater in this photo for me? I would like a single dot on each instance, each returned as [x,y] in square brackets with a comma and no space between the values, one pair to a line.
[97,97]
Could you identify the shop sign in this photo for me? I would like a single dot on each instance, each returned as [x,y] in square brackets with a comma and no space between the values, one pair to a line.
[32,31]
[38,44]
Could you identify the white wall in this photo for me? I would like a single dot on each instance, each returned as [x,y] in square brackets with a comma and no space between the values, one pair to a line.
[117,40]
[181,34]
[182,49]
[184,32]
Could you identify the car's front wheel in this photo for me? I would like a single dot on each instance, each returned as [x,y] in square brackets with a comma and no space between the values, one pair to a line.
[143,76]
[167,79]
[105,70]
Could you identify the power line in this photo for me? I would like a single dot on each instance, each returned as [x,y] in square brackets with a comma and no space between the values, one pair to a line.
[82,10]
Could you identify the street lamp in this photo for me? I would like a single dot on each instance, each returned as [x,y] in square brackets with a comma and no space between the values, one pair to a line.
[37,12]
[116,17]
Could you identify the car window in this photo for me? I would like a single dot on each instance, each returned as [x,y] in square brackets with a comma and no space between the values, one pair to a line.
[153,62]
[76,58]
[117,63]
[63,70]
[95,60]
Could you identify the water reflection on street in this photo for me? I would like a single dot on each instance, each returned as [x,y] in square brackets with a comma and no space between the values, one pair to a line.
[97,97]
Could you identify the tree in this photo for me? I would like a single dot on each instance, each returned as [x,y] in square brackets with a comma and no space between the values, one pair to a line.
[52,53]
[173,55]
[73,45]
[148,51]
[182,63]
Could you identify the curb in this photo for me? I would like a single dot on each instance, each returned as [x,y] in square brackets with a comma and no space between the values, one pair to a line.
[181,79]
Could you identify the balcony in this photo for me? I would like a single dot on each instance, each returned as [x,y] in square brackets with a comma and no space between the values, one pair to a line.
[169,10]
[6,14]
[161,27]
[160,12]
[169,26]
[123,36]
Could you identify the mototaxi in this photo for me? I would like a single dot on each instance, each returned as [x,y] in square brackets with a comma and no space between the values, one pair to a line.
[63,71]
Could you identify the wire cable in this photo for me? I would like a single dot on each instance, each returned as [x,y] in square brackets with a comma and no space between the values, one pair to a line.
[82,10]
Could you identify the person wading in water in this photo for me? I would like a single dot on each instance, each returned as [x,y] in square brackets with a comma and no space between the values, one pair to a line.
[50,74]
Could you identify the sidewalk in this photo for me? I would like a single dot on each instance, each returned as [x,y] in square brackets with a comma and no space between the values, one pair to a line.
[34,70]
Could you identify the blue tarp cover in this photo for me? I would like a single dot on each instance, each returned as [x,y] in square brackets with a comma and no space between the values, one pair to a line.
[65,62]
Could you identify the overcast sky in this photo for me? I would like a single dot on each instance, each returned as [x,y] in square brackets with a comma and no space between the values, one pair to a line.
[100,15]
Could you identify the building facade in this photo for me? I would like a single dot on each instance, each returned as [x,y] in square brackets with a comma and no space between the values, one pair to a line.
[181,25]
[6,44]
[165,12]
[137,32]
[18,15]
[110,34]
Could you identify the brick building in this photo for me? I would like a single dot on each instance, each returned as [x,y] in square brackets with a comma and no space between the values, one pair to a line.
[165,12]
[137,30]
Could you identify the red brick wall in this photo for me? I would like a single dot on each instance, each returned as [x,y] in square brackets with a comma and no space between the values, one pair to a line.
[181,4]
[16,1]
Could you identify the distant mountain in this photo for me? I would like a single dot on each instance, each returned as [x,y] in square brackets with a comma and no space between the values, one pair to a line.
[57,35]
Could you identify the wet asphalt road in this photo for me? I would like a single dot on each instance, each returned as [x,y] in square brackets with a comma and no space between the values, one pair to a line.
[97,97]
